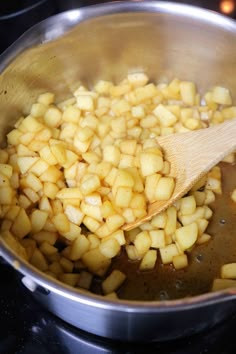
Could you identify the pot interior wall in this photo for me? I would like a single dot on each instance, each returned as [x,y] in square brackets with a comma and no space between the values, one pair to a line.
[162,44]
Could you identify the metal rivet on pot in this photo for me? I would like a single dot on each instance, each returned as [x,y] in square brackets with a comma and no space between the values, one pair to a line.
[29,283]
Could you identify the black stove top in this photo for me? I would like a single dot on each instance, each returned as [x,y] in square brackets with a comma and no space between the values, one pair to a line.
[26,327]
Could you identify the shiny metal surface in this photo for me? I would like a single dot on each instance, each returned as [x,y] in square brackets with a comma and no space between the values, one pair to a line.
[108,41]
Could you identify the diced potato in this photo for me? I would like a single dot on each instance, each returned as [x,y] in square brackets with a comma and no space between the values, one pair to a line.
[38,260]
[53,117]
[69,278]
[221,95]
[66,265]
[47,249]
[159,221]
[142,242]
[228,271]
[166,118]
[110,247]
[22,225]
[79,246]
[85,280]
[164,188]
[168,252]
[14,244]
[187,205]
[157,238]
[188,92]
[233,195]
[149,260]
[6,195]
[221,284]
[150,163]
[180,261]
[38,219]
[186,236]
[113,281]
[61,223]
[96,261]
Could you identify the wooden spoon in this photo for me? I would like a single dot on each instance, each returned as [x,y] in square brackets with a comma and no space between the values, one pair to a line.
[191,156]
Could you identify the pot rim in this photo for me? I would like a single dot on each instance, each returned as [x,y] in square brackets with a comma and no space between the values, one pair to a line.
[75,17]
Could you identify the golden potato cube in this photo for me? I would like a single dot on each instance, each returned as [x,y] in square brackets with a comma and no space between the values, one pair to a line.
[93,211]
[103,87]
[26,162]
[91,223]
[168,252]
[53,117]
[85,102]
[38,219]
[151,182]
[233,195]
[157,238]
[96,261]
[52,174]
[149,260]
[38,260]
[78,247]
[187,205]
[119,90]
[47,249]
[66,264]
[13,138]
[6,170]
[32,124]
[39,167]
[132,252]
[221,284]
[71,114]
[12,213]
[159,221]
[207,212]
[50,190]
[47,236]
[94,241]
[61,223]
[46,98]
[22,225]
[228,271]
[59,152]
[200,197]
[14,244]
[85,280]
[56,268]
[114,222]
[73,233]
[33,182]
[150,163]
[145,93]
[123,197]
[120,107]
[142,242]
[90,184]
[3,156]
[166,118]
[180,261]
[6,195]
[188,92]
[69,278]
[186,236]
[137,79]
[221,95]
[111,154]
[203,238]
[118,235]
[47,155]
[164,188]
[74,214]
[113,282]
[31,195]
[109,247]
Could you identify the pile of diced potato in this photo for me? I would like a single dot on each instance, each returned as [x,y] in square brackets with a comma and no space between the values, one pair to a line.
[73,173]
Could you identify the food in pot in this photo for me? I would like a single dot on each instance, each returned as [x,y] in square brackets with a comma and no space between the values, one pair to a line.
[72,174]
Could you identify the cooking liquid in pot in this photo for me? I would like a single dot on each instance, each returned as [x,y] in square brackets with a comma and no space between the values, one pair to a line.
[205,261]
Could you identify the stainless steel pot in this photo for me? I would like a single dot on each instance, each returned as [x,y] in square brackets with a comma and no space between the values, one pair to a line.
[107,41]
